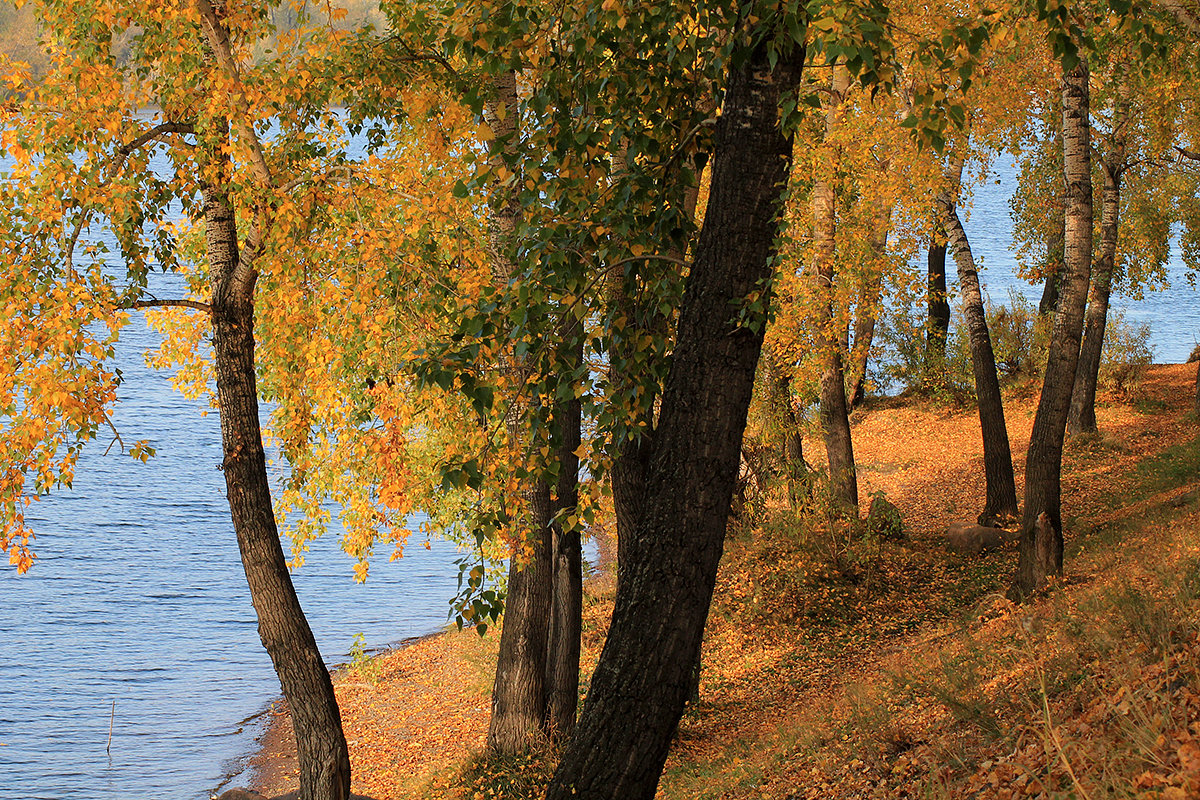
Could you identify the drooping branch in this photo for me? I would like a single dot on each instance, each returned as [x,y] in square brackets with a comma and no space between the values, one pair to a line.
[118,160]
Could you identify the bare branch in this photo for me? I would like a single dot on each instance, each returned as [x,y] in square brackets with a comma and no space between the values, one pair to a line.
[192,304]
[1188,154]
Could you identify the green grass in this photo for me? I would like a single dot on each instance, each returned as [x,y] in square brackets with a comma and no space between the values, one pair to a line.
[1175,466]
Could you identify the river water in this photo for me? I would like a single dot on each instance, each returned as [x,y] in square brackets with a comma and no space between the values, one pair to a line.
[137,597]
[1173,313]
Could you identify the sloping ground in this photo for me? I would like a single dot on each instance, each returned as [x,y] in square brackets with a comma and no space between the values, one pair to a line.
[841,667]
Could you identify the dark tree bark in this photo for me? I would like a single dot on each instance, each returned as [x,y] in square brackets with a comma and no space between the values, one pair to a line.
[316,720]
[835,418]
[641,683]
[1049,302]
[1042,516]
[282,626]
[1001,502]
[519,692]
[1082,416]
[938,326]
[566,619]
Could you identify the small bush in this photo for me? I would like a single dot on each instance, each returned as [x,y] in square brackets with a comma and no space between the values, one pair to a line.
[1020,337]
[905,362]
[1126,354]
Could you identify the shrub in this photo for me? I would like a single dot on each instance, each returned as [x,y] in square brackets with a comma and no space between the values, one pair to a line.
[1126,354]
[1020,337]
[905,364]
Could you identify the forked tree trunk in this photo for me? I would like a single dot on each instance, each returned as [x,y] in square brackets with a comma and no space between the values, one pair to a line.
[282,626]
[867,310]
[519,692]
[938,327]
[641,683]
[1001,502]
[835,419]
[1082,416]
[1043,463]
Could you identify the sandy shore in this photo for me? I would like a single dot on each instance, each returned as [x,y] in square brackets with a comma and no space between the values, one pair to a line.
[420,712]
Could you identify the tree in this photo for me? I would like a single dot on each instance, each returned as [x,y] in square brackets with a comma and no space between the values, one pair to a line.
[640,685]
[1041,526]
[1001,500]
[835,419]
[938,306]
[91,164]
[1081,417]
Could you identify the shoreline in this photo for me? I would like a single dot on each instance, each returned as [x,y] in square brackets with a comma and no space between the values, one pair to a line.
[272,768]
[426,707]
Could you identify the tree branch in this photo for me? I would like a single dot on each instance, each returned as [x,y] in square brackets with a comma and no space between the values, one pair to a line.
[192,304]
[118,160]
[217,37]
[1189,154]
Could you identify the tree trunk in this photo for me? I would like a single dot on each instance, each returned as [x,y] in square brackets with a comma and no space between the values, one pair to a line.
[938,327]
[628,472]
[320,744]
[1043,463]
[1001,502]
[519,692]
[835,419]
[796,468]
[641,683]
[1082,416]
[867,311]
[566,618]
[1055,266]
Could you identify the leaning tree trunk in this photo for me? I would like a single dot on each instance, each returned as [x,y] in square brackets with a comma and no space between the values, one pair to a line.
[1043,463]
[1001,502]
[566,603]
[835,419]
[519,692]
[641,683]
[937,328]
[320,744]
[1082,416]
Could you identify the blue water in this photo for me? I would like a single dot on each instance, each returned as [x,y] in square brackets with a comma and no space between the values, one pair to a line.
[138,596]
[1173,314]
